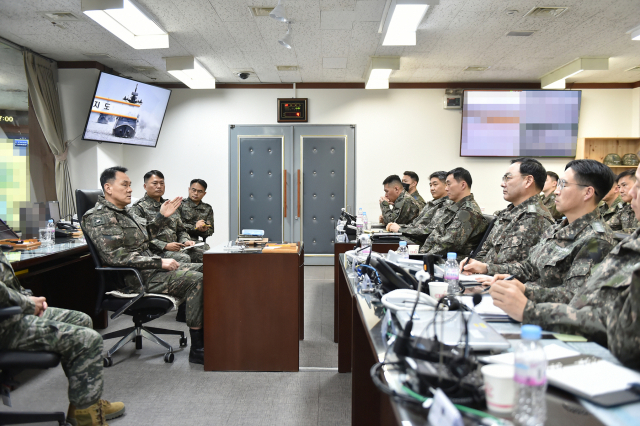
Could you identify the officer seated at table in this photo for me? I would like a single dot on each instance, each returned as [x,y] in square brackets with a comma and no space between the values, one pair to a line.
[459,226]
[605,309]
[519,227]
[548,195]
[560,264]
[625,220]
[410,183]
[611,203]
[197,216]
[397,205]
[122,239]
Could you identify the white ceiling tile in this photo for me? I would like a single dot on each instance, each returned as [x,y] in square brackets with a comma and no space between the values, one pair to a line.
[246,34]
[335,43]
[334,20]
[299,11]
[337,5]
[272,77]
[370,10]
[334,63]
[231,10]
[334,73]
[290,76]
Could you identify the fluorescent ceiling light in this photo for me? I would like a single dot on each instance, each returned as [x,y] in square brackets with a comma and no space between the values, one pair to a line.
[635,33]
[128,22]
[402,21]
[188,70]
[379,71]
[556,79]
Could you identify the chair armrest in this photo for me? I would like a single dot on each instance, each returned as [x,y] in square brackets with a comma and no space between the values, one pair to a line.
[10,311]
[135,299]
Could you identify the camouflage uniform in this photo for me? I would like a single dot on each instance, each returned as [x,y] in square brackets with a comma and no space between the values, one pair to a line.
[122,239]
[418,230]
[172,232]
[416,196]
[402,211]
[67,333]
[550,203]
[605,309]
[559,265]
[624,221]
[458,227]
[607,212]
[515,231]
[191,214]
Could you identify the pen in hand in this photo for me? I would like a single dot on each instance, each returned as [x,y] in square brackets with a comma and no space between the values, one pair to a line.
[509,278]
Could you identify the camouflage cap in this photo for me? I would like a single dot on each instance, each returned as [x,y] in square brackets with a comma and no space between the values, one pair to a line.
[612,160]
[630,160]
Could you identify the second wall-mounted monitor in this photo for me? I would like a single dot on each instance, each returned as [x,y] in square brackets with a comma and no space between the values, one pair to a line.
[126,111]
[513,123]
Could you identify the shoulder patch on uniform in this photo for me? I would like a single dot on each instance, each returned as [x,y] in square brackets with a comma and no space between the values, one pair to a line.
[598,227]
[464,215]
[97,221]
[99,207]
[532,208]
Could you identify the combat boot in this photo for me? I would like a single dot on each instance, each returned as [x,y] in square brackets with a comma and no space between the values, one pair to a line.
[181,315]
[196,354]
[92,416]
[112,410]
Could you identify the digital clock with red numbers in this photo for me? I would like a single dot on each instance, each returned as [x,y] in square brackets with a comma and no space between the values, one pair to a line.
[292,110]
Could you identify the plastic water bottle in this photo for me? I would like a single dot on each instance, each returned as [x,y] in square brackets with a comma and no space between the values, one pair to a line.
[451,273]
[359,213]
[359,225]
[365,221]
[530,378]
[51,227]
[403,251]
[341,237]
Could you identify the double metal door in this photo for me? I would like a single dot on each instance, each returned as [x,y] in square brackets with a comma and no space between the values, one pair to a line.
[292,181]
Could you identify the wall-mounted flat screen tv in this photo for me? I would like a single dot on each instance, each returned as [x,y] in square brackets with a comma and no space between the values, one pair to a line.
[126,111]
[513,123]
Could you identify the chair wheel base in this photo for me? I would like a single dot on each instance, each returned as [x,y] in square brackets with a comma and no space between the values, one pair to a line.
[183,342]
[168,358]
[107,361]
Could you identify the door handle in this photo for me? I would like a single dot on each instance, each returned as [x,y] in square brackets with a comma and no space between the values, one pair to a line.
[285,192]
[298,193]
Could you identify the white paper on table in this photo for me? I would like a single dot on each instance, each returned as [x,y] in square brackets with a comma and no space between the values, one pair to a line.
[472,278]
[486,307]
[190,247]
[593,378]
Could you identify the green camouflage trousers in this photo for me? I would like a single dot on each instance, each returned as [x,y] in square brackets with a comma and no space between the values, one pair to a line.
[193,255]
[183,283]
[69,334]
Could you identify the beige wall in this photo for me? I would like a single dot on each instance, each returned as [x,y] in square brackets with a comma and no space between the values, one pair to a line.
[396,130]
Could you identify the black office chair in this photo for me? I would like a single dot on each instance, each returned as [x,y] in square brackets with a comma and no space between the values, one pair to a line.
[142,309]
[13,362]
[491,219]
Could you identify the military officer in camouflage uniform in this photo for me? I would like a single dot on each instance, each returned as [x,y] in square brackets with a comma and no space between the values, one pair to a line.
[122,239]
[611,203]
[604,310]
[417,230]
[197,217]
[397,205]
[625,220]
[458,227]
[172,237]
[67,333]
[518,227]
[410,184]
[548,195]
[559,265]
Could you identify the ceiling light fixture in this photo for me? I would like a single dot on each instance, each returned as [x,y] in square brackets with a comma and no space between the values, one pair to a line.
[402,20]
[635,33]
[379,70]
[188,70]
[556,79]
[287,41]
[278,13]
[128,22]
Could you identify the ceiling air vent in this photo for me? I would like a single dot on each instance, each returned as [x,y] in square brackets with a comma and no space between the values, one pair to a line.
[260,11]
[59,16]
[520,33]
[143,69]
[287,68]
[476,68]
[547,12]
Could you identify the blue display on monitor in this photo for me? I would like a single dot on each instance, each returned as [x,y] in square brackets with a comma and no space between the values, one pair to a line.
[126,111]
[514,123]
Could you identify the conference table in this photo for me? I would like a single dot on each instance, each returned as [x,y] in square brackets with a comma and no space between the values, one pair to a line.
[254,309]
[370,407]
[64,273]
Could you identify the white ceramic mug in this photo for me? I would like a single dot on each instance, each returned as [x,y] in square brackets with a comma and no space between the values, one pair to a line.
[437,290]
[499,387]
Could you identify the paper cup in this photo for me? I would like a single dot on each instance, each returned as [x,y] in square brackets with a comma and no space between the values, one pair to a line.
[499,387]
[413,248]
[438,290]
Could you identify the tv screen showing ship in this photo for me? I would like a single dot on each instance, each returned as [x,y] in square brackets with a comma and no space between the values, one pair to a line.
[126,111]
